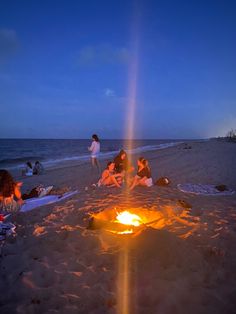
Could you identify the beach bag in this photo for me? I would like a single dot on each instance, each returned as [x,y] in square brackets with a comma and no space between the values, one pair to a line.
[163,181]
[221,187]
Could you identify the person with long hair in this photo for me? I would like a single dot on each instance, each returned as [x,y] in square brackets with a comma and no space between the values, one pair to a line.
[143,176]
[109,177]
[122,164]
[38,168]
[10,192]
[95,150]
[28,170]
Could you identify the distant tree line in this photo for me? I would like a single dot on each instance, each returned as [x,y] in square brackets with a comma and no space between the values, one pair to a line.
[231,135]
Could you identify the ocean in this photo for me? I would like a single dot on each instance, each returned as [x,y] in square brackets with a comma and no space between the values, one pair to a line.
[52,153]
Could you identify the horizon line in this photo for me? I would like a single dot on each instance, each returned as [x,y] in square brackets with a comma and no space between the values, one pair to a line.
[124,139]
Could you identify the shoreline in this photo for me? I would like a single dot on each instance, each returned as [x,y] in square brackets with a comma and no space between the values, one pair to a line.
[80,159]
[161,162]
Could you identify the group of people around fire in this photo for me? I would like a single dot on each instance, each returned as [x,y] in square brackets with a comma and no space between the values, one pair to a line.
[117,172]
[120,170]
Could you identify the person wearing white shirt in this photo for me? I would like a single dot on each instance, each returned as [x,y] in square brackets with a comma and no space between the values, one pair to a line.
[95,150]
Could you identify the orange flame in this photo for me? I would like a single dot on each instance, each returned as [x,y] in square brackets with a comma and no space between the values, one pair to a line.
[126,218]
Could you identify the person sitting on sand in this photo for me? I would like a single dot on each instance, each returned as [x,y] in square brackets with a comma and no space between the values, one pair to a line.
[28,170]
[143,176]
[122,164]
[109,177]
[38,168]
[10,193]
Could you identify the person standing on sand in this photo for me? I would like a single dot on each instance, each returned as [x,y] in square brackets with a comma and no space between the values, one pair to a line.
[95,150]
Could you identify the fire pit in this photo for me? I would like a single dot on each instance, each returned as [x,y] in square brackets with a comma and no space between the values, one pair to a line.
[126,221]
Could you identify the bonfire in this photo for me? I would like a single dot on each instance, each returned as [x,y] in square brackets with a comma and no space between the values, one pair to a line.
[126,221]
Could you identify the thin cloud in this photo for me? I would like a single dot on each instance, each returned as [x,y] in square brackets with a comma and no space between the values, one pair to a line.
[103,54]
[9,43]
[109,92]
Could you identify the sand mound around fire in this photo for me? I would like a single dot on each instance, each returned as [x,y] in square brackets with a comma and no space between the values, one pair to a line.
[107,220]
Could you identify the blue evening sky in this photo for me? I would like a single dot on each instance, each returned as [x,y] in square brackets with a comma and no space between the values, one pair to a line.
[66,68]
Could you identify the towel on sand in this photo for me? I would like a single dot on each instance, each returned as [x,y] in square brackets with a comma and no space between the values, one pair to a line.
[32,203]
[203,189]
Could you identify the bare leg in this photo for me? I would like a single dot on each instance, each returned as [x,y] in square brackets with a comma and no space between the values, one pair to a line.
[135,183]
[115,181]
[110,182]
[138,181]
[95,164]
[119,177]
[143,181]
[130,181]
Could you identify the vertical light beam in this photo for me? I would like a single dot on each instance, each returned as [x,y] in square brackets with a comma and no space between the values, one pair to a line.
[132,81]
[124,304]
[132,94]
[123,284]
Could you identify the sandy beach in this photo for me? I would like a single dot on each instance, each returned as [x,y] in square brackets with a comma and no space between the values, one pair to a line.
[184,264]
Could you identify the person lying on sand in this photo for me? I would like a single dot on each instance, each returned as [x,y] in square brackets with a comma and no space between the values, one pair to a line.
[143,176]
[109,177]
[122,164]
[38,191]
[10,193]
[11,198]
